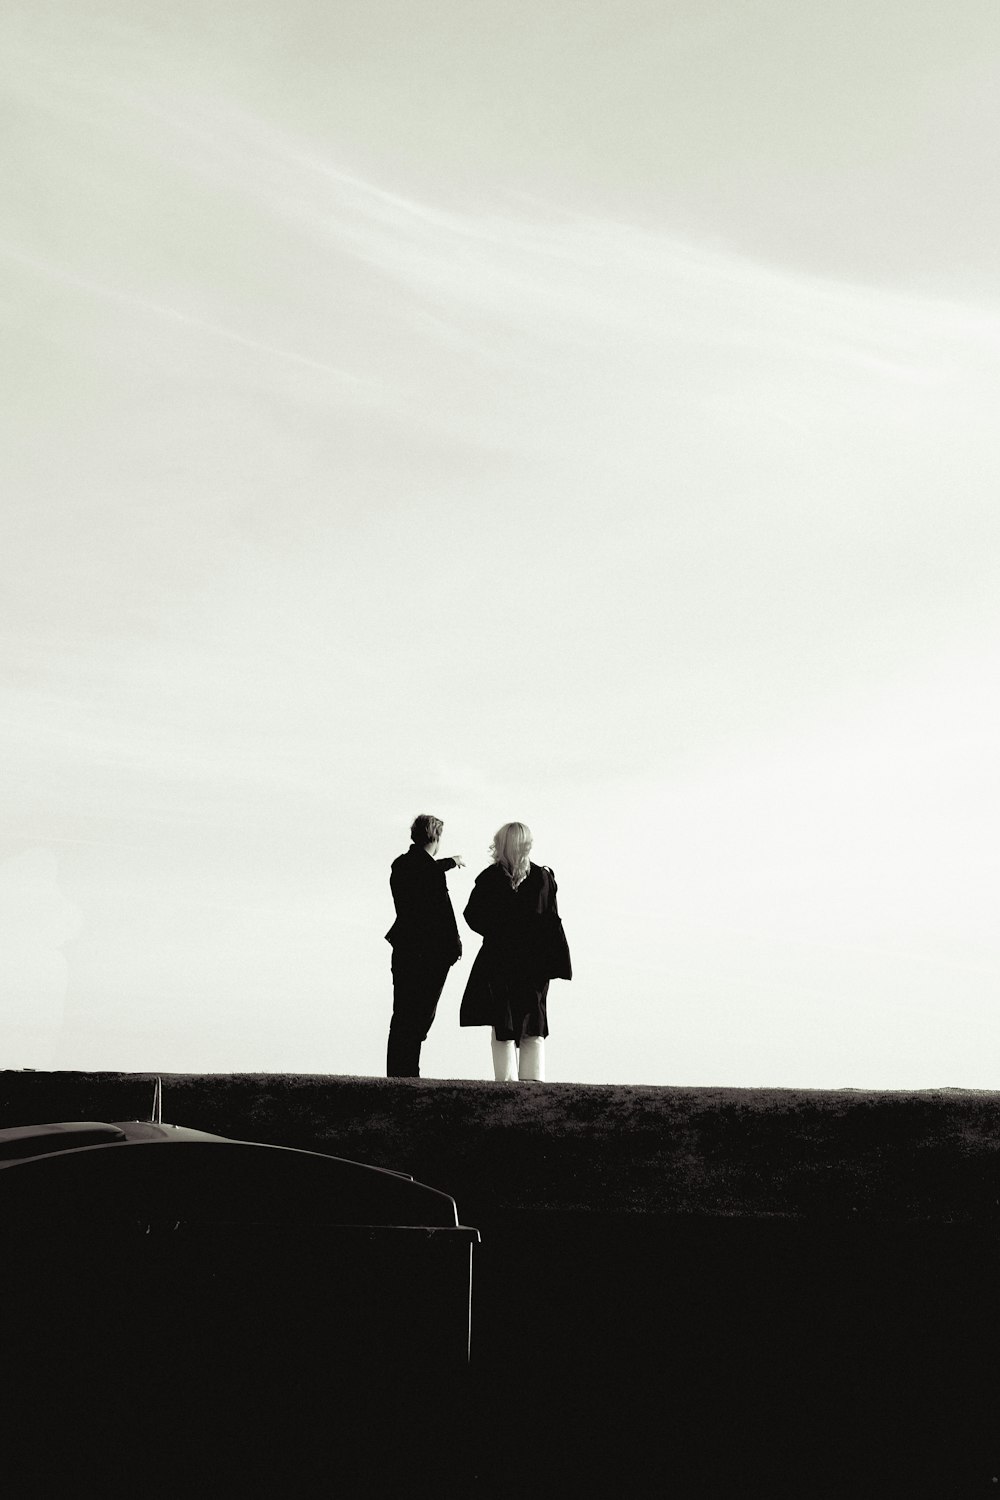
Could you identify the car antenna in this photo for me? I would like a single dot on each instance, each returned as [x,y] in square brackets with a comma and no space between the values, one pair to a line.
[157,1115]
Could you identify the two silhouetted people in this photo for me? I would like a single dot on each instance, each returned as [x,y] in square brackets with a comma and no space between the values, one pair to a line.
[513,907]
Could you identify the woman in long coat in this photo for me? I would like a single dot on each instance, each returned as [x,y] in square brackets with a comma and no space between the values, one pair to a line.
[513,906]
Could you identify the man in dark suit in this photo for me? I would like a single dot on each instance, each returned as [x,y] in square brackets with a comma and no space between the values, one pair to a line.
[425,943]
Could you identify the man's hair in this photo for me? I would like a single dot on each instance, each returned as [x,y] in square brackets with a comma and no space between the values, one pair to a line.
[424,829]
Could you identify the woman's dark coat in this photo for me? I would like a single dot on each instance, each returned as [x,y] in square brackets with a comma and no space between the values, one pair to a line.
[523,948]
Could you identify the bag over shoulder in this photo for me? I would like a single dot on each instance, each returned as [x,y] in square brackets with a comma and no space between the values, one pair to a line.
[558,964]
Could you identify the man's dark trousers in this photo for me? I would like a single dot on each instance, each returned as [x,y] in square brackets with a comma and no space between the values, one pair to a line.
[417,982]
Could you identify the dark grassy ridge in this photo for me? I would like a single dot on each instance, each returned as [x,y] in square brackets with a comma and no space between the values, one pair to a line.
[802,1154]
[690,1291]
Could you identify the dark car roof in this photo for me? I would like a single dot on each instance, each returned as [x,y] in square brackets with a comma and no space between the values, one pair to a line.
[34,1140]
[98,1171]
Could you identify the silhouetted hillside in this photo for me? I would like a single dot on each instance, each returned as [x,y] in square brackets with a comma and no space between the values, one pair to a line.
[739,1292]
[804,1154]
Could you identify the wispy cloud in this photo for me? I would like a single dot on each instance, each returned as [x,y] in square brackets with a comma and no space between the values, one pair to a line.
[67,277]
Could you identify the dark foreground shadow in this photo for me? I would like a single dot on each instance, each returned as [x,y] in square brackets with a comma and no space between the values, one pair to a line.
[730,1357]
[693,1358]
[259,1365]
[687,1344]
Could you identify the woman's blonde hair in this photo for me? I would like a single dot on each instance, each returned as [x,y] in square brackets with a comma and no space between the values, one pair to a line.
[510,849]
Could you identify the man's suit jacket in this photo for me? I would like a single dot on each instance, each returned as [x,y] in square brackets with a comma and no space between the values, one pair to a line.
[425,925]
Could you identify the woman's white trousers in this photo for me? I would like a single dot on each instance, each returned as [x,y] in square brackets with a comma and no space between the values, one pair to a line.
[511,1062]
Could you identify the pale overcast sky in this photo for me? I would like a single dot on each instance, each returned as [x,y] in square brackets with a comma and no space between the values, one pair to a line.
[583,413]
